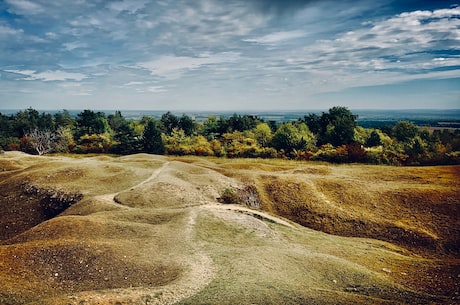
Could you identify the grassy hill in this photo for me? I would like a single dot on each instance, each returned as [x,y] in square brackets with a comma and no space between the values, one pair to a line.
[146,229]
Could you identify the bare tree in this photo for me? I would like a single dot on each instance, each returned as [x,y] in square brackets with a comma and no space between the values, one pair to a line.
[42,140]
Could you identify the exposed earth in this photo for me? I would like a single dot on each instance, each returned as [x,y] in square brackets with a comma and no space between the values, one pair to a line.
[145,229]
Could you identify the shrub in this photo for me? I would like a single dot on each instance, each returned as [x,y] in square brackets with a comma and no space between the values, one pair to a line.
[228,196]
[25,145]
[343,154]
[217,148]
[95,143]
[356,153]
[301,155]
[9,143]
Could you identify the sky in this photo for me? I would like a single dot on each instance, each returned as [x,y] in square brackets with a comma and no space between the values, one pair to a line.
[229,54]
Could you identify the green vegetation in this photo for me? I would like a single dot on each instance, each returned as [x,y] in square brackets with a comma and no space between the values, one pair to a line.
[333,136]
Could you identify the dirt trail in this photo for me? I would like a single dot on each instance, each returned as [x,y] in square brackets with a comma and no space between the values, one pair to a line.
[199,267]
[110,198]
[250,212]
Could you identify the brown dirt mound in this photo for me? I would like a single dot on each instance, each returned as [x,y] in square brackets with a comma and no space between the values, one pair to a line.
[62,267]
[423,221]
[418,208]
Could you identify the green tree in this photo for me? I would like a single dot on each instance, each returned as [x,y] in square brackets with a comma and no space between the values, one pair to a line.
[336,127]
[126,141]
[89,123]
[65,141]
[404,131]
[374,139]
[341,125]
[291,137]
[263,134]
[211,128]
[116,120]
[169,121]
[46,122]
[361,134]
[6,131]
[25,121]
[64,119]
[224,126]
[418,146]
[314,123]
[186,124]
[241,123]
[151,138]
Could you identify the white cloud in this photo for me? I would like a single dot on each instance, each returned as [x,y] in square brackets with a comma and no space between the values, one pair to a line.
[22,72]
[173,67]
[133,84]
[24,7]
[156,89]
[384,52]
[208,22]
[277,37]
[51,35]
[81,93]
[5,30]
[69,46]
[230,47]
[49,75]
[87,21]
[131,6]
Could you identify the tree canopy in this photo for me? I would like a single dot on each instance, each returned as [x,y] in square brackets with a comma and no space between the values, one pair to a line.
[330,136]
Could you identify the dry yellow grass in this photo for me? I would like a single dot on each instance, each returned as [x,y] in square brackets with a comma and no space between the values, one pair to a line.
[149,230]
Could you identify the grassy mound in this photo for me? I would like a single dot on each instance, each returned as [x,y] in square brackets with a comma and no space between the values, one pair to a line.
[148,229]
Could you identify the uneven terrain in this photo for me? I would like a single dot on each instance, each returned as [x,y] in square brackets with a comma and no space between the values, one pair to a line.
[146,229]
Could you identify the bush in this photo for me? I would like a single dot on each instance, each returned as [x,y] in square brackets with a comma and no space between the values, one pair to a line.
[228,196]
[356,153]
[95,143]
[301,155]
[217,148]
[343,154]
[25,145]
[10,143]
[179,144]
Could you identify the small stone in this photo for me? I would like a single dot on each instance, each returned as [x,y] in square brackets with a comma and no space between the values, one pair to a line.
[386,270]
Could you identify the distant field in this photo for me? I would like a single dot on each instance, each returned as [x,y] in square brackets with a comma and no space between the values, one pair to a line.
[145,229]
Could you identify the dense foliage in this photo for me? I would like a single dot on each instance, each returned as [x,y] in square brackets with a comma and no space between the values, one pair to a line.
[333,136]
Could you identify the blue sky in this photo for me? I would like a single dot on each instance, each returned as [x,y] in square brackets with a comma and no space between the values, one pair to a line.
[229,54]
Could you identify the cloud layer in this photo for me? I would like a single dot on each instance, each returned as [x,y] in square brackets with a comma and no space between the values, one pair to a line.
[235,54]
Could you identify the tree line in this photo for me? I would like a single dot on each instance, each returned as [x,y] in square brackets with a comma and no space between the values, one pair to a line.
[332,136]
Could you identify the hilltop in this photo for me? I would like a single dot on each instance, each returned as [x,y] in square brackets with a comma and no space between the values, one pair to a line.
[147,229]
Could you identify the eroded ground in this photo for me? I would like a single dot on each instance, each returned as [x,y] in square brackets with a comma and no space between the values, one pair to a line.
[147,229]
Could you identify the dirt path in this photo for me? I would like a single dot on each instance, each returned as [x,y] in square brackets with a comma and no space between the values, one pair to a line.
[110,198]
[199,269]
[250,212]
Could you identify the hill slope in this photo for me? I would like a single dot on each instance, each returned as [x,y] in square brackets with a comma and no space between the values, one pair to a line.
[148,229]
